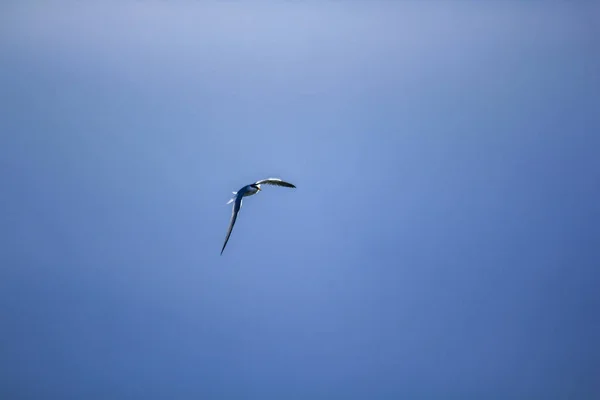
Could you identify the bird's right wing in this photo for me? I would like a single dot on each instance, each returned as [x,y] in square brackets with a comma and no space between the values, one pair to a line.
[274,181]
[236,209]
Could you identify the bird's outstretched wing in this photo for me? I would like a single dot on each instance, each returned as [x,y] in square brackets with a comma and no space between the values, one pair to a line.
[236,208]
[274,181]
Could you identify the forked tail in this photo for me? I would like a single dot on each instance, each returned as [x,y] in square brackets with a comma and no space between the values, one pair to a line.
[233,199]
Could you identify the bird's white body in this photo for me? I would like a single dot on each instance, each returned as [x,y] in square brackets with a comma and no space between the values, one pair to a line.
[245,192]
[251,190]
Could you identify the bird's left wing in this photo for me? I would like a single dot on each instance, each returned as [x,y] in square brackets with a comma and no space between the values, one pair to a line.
[274,181]
[236,209]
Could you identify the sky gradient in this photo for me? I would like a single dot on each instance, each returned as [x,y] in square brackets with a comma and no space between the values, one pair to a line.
[443,241]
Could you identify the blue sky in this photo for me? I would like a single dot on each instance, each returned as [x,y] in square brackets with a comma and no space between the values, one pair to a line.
[443,240]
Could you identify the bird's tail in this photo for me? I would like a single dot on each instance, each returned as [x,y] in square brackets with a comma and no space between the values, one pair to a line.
[233,199]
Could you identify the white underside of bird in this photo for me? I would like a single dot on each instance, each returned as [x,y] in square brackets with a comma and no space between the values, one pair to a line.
[246,191]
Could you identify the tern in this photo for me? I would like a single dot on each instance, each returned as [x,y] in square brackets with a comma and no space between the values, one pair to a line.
[249,190]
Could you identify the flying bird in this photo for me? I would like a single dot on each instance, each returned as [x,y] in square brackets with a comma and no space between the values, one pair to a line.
[249,190]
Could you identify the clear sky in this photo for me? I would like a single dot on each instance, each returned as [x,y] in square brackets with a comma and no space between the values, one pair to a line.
[443,241]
